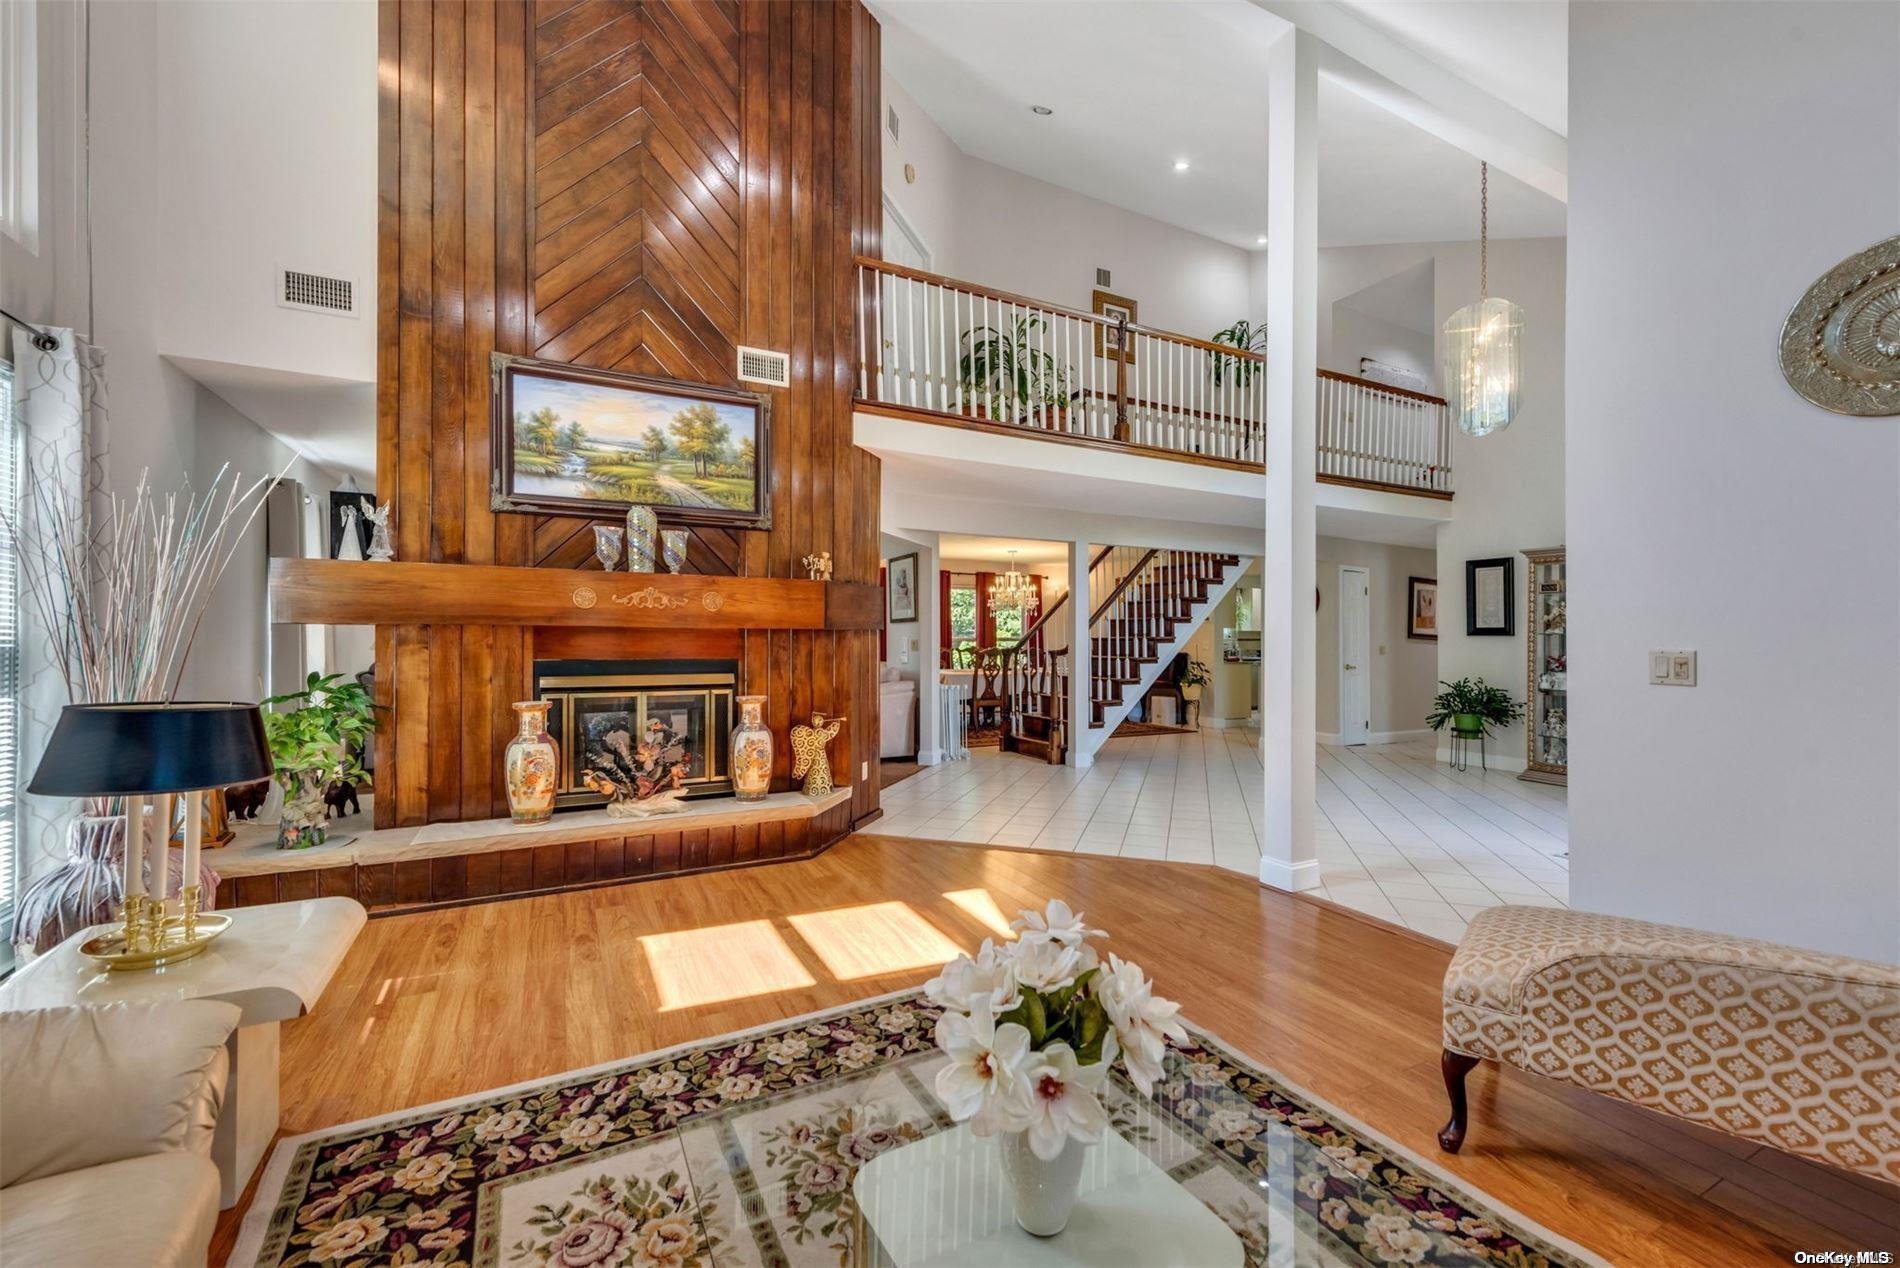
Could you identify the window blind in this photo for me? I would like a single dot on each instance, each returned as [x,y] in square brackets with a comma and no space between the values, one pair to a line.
[10,460]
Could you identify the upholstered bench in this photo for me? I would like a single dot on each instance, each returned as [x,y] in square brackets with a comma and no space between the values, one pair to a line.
[1791,1048]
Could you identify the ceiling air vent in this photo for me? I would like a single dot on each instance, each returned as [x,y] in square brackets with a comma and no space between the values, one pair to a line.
[315,293]
[757,365]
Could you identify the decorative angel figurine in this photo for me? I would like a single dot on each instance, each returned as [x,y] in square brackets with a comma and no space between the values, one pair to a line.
[818,566]
[380,549]
[808,753]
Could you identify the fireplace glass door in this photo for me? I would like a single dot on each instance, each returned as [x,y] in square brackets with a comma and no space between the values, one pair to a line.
[596,712]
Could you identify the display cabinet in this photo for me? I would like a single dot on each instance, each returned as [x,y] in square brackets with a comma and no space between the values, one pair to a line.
[1547,686]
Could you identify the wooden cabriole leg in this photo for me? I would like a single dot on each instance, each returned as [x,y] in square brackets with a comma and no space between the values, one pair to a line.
[1455,1066]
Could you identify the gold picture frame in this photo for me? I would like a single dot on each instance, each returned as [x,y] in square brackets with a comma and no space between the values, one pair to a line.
[1108,338]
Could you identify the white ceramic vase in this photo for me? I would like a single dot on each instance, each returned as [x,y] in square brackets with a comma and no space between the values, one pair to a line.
[1043,1191]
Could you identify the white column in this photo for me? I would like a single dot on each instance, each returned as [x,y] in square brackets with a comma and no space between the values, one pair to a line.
[1288,860]
[927,634]
[1080,603]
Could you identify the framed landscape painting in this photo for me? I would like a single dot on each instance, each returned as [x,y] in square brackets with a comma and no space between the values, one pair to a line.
[573,441]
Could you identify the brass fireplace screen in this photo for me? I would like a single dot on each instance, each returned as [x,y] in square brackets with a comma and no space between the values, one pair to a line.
[593,703]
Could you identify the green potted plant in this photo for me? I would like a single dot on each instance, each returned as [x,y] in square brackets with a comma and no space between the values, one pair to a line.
[314,745]
[1471,707]
[1193,678]
[1244,336]
[1002,371]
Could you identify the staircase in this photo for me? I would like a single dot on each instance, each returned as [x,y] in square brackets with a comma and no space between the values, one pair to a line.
[1151,602]
[1155,603]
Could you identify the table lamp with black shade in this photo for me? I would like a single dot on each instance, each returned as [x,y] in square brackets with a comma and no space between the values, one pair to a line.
[137,751]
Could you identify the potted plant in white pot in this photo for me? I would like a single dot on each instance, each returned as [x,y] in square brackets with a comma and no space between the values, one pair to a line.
[315,745]
[1194,679]
[1032,1029]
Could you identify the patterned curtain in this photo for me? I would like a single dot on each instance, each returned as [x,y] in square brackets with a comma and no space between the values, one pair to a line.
[61,396]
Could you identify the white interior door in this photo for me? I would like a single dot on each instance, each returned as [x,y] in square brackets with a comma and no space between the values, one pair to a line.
[1355,646]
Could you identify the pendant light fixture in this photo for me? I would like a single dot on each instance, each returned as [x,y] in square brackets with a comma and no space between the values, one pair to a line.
[1484,344]
[1013,590]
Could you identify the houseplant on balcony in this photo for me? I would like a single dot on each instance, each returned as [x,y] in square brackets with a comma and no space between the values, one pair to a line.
[1032,1029]
[314,745]
[1002,370]
[1244,336]
[1471,707]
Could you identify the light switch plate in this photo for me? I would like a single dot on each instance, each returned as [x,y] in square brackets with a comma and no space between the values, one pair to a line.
[1672,668]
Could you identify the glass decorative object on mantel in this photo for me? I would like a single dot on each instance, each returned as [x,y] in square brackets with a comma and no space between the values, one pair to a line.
[381,551]
[643,530]
[673,546]
[607,547]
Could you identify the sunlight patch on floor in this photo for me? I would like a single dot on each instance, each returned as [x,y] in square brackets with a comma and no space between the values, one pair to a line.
[873,939]
[721,962]
[979,906]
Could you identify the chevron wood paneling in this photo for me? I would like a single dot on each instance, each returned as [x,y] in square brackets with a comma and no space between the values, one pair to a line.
[639,185]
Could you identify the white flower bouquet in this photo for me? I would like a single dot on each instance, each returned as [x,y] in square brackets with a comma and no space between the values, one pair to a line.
[1033,1027]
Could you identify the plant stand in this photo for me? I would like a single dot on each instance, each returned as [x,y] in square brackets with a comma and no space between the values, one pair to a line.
[1461,750]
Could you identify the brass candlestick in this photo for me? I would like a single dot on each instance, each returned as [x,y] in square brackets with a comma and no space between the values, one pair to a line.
[131,930]
[188,897]
[154,924]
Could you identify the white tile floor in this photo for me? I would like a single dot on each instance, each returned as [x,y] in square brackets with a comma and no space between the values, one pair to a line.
[1399,835]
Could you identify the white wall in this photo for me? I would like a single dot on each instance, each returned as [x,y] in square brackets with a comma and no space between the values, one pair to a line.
[1711,508]
[1510,484]
[1359,334]
[1404,671]
[990,225]
[268,116]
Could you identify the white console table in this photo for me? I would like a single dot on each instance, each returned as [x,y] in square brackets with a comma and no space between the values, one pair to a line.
[273,963]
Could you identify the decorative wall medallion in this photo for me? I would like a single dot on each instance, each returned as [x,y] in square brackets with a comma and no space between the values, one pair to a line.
[1840,347]
[650,598]
[713,600]
[584,597]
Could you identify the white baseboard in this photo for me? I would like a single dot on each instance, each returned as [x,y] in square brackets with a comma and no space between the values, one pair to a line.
[929,756]
[1079,759]
[1504,763]
[1222,724]
[1375,737]
[1292,877]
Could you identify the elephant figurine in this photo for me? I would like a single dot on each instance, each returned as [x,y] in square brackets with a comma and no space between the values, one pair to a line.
[338,795]
[243,801]
[808,753]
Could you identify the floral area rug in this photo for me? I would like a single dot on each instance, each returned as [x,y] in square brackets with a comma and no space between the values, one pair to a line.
[742,1150]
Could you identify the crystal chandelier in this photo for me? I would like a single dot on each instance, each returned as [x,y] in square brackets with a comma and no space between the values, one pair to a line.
[1013,590]
[1483,345]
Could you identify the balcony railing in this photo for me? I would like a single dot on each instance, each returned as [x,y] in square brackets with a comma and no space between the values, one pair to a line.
[954,351]
[1385,437]
[940,346]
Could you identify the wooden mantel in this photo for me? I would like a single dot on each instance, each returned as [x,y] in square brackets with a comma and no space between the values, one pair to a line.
[338,592]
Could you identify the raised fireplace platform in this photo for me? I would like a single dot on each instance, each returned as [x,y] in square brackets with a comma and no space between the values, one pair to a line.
[437,864]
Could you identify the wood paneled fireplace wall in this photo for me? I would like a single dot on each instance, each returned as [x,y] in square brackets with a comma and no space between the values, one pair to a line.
[634,184]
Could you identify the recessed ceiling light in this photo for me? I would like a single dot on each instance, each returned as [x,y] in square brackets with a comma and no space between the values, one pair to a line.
[1260,241]
[1180,165]
[1042,110]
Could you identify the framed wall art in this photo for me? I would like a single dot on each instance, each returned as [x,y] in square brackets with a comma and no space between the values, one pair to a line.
[1108,339]
[1421,608]
[1490,596]
[568,440]
[901,588]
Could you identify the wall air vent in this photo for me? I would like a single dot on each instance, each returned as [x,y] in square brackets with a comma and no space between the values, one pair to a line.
[757,365]
[1101,278]
[890,120]
[315,293]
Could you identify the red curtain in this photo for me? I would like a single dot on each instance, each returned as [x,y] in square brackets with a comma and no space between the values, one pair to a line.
[884,630]
[985,619]
[943,618]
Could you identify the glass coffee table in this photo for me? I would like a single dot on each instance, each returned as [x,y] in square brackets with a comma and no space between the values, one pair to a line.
[943,1202]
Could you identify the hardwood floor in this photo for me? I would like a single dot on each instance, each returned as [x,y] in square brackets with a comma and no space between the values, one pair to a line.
[447,1003]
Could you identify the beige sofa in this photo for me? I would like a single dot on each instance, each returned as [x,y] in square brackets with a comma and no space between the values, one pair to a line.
[106,1119]
[1791,1048]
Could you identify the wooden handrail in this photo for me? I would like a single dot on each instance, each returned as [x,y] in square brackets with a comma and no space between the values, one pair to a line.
[1043,305]
[1373,386]
[1248,423]
[1126,581]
